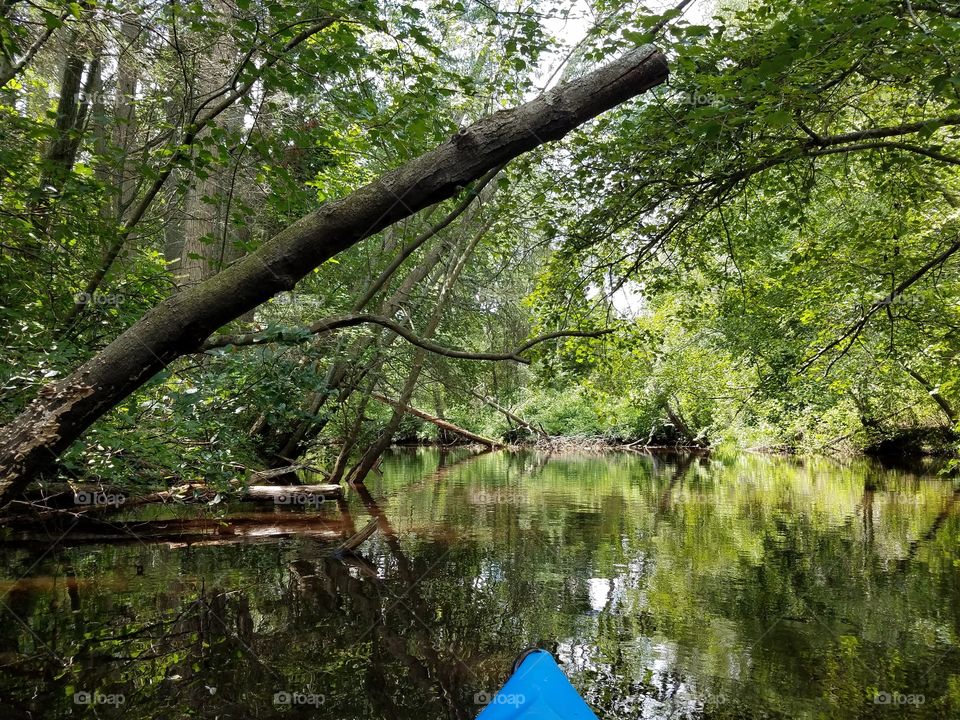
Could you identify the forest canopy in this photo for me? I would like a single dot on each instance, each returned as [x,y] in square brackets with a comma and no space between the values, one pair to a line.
[760,249]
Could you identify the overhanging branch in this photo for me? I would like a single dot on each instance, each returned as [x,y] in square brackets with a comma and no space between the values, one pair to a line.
[711,189]
[64,409]
[854,329]
[344,321]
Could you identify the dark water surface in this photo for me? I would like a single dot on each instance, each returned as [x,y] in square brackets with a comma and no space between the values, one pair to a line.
[670,587]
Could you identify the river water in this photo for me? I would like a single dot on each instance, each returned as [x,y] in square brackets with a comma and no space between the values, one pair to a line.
[670,586]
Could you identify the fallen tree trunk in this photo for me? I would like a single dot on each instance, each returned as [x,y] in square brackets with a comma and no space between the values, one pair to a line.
[63,410]
[180,532]
[293,494]
[473,437]
[509,415]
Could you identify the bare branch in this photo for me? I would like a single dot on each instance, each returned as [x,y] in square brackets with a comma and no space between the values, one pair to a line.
[461,207]
[667,18]
[344,321]
[13,69]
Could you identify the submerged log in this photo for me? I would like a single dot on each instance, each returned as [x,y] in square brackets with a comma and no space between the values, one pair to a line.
[357,539]
[446,425]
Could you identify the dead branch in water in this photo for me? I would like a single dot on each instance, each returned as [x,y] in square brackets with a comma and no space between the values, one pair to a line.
[359,538]
[446,425]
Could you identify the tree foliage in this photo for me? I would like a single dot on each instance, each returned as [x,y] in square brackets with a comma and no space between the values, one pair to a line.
[771,235]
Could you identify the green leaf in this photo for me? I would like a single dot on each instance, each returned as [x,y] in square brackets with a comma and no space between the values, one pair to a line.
[779,118]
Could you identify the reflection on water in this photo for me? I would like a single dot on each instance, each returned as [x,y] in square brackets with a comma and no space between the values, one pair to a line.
[670,587]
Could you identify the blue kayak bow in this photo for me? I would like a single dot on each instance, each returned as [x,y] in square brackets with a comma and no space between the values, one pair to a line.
[537,689]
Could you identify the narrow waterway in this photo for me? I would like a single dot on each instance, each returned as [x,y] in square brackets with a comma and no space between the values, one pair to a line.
[669,586]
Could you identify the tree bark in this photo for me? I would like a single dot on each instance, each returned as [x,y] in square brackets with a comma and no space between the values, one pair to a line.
[205,217]
[371,457]
[59,157]
[125,117]
[934,392]
[64,410]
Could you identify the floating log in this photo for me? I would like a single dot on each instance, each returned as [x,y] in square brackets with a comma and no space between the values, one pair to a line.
[181,532]
[439,423]
[293,495]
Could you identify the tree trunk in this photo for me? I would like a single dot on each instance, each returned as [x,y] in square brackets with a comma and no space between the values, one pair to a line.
[125,118]
[373,453]
[58,158]
[63,410]
[934,392]
[72,107]
[206,242]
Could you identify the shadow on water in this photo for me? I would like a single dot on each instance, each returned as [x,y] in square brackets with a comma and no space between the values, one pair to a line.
[670,587]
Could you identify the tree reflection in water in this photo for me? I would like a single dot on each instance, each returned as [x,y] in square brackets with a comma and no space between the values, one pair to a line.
[674,586]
